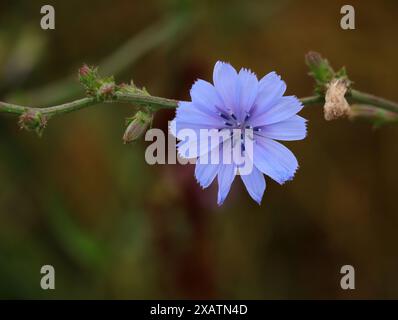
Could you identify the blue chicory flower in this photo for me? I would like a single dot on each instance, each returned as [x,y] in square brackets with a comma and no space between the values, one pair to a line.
[240,101]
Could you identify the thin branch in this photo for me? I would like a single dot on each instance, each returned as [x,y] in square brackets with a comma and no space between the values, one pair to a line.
[153,102]
[374,115]
[157,103]
[313,100]
[134,99]
[372,100]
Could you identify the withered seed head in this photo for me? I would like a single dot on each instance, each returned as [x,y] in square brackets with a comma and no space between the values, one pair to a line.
[336,106]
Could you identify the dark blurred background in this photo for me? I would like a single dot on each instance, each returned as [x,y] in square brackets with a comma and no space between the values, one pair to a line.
[115,227]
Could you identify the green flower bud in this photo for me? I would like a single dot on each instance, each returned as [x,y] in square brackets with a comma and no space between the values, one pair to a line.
[107,90]
[84,71]
[33,120]
[323,73]
[88,77]
[320,70]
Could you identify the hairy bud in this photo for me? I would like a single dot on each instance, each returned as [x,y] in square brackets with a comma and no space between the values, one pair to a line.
[107,90]
[137,125]
[314,60]
[322,72]
[88,77]
[33,120]
[84,71]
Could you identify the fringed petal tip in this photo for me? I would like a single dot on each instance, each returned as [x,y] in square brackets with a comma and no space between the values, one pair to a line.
[283,179]
[173,127]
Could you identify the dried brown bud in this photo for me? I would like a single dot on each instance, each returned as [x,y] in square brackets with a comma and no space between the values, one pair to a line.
[336,106]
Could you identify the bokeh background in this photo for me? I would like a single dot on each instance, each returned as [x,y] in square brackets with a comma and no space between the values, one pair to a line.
[115,227]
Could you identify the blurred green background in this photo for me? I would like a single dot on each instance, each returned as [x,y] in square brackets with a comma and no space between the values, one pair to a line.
[115,227]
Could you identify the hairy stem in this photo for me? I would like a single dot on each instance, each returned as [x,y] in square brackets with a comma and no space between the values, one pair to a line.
[378,110]
[135,99]
[157,103]
[152,102]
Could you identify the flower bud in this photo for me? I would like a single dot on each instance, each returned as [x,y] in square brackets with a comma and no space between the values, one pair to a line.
[313,59]
[84,71]
[87,74]
[33,120]
[107,90]
[88,77]
[137,125]
[320,70]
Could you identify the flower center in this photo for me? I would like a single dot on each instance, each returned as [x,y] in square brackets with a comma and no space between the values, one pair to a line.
[232,123]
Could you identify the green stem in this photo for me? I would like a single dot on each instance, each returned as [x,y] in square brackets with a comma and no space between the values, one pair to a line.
[313,100]
[135,99]
[153,102]
[157,103]
[12,108]
[146,100]
[374,115]
[356,96]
